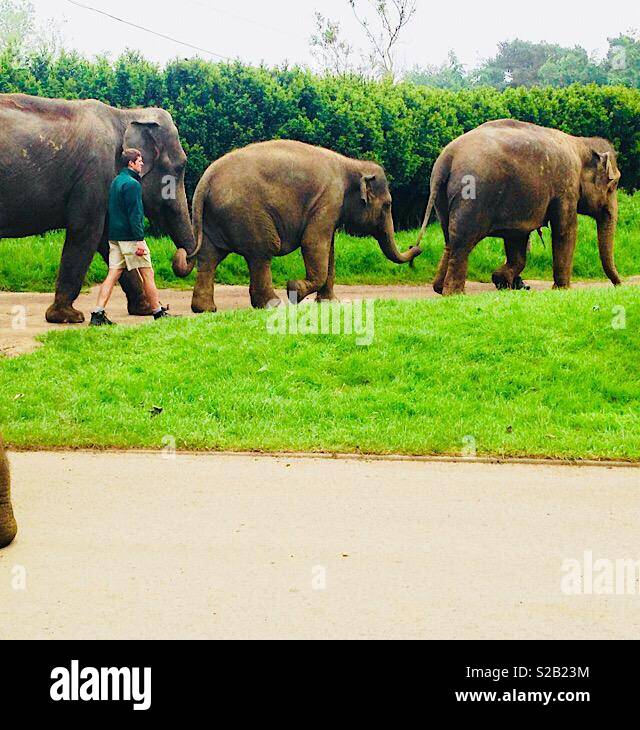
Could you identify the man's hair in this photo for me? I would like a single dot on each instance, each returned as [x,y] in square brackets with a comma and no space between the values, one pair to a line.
[129,156]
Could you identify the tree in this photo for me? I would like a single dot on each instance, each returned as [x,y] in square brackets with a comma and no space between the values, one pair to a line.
[575,67]
[392,18]
[450,75]
[622,64]
[20,31]
[517,63]
[17,23]
[382,33]
[332,52]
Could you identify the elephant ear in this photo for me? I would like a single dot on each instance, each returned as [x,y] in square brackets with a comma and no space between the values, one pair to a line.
[606,170]
[365,188]
[141,136]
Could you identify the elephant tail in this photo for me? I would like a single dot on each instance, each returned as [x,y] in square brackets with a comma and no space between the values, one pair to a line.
[439,177]
[198,216]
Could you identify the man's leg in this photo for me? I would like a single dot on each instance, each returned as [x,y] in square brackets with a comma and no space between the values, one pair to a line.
[106,290]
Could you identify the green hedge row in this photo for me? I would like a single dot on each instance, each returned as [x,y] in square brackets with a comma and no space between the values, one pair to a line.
[218,107]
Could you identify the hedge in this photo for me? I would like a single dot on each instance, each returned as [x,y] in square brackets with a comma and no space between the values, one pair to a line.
[222,106]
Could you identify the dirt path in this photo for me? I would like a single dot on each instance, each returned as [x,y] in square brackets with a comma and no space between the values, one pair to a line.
[135,546]
[19,340]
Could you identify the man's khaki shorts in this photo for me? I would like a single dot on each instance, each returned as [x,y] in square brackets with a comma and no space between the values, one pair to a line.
[122,255]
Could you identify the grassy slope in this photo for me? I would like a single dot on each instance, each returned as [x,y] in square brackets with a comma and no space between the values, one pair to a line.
[539,374]
[32,264]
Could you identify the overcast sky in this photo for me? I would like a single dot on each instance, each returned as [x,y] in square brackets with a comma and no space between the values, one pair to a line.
[278,31]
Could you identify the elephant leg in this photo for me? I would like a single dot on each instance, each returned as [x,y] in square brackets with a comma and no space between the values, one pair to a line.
[441,273]
[457,266]
[137,303]
[261,288]
[564,237]
[81,243]
[316,251]
[8,527]
[508,275]
[209,259]
[326,293]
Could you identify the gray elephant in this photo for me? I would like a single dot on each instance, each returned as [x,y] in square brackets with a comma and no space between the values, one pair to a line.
[8,527]
[270,198]
[57,161]
[509,178]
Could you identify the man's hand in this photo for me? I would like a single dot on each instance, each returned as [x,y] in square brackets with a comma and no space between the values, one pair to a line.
[141,250]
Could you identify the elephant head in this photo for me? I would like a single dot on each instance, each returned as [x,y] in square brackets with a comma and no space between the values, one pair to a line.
[599,198]
[165,200]
[367,212]
[8,527]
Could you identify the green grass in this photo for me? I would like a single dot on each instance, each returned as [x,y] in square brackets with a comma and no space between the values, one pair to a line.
[523,374]
[32,264]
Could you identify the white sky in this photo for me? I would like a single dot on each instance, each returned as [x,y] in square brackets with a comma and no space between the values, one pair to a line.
[279,30]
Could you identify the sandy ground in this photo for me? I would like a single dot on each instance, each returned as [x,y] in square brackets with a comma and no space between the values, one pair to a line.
[220,546]
[19,340]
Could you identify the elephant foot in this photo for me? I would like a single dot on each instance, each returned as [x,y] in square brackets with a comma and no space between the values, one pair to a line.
[197,309]
[269,301]
[59,314]
[438,287]
[453,291]
[500,281]
[294,292]
[327,298]
[8,526]
[519,285]
[562,286]
[139,308]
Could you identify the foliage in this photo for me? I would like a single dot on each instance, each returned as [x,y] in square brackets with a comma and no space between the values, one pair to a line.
[523,63]
[222,106]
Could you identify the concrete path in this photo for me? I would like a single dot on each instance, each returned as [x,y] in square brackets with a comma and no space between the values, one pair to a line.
[220,546]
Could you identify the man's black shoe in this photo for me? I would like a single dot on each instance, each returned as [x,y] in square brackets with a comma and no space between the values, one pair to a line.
[519,285]
[163,313]
[100,319]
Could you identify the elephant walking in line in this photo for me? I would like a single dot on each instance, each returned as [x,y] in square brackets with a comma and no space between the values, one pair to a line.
[509,178]
[270,198]
[8,527]
[57,161]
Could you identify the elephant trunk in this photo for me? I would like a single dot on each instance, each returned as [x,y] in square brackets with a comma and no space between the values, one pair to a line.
[183,261]
[607,224]
[8,527]
[387,241]
[181,232]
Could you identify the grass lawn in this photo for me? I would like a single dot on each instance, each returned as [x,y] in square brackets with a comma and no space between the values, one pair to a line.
[515,374]
[32,264]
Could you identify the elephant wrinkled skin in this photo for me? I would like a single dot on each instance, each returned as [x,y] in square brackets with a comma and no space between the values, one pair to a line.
[270,198]
[8,527]
[509,178]
[58,159]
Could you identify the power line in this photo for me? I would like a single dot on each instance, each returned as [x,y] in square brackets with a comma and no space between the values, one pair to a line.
[211,9]
[148,30]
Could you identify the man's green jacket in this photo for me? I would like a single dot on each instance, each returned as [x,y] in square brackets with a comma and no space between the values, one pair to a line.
[126,212]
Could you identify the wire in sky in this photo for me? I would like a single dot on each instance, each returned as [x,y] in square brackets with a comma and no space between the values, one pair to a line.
[148,30]
[211,9]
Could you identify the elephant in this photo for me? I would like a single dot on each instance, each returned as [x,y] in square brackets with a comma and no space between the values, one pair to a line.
[508,178]
[271,198]
[57,161]
[8,527]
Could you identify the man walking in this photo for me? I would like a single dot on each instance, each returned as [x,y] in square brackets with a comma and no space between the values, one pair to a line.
[127,248]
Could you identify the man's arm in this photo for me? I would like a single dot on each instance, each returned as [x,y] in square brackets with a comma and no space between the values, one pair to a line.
[132,195]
